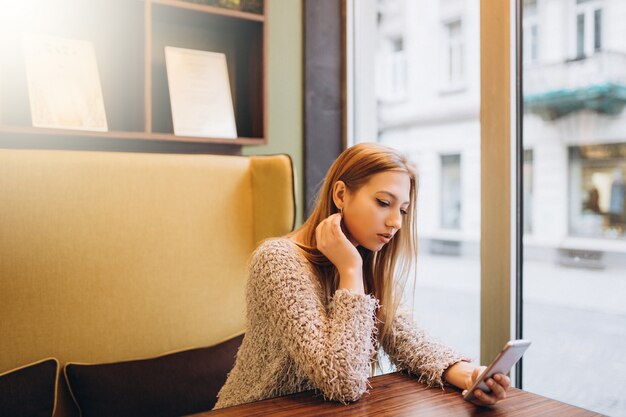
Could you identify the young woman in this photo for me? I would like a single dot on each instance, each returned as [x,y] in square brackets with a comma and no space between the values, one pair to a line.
[324,298]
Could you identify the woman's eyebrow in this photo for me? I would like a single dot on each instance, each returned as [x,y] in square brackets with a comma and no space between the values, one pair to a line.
[391,195]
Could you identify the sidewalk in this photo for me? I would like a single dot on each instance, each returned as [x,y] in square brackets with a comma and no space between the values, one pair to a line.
[595,290]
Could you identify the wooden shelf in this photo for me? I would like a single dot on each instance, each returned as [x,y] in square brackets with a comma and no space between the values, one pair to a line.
[179,4]
[131,64]
[38,131]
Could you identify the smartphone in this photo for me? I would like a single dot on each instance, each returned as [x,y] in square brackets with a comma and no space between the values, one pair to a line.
[502,364]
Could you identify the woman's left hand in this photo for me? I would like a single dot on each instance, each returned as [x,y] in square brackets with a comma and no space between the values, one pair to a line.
[498,385]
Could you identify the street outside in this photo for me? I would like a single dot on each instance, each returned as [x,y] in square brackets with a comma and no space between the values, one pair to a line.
[575,318]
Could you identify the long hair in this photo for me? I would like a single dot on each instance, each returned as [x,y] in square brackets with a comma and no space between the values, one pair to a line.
[384,272]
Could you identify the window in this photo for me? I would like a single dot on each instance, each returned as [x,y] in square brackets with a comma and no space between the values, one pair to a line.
[450,191]
[598,191]
[391,57]
[597,18]
[528,191]
[391,71]
[454,55]
[531,32]
[588,27]
[580,35]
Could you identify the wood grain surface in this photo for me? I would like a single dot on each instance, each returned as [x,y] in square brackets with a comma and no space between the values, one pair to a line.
[399,394]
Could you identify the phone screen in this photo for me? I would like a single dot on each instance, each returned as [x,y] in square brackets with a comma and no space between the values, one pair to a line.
[502,364]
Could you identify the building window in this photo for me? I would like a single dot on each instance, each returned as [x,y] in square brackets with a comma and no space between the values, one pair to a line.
[528,190]
[597,19]
[454,64]
[588,27]
[391,74]
[580,35]
[598,191]
[531,32]
[451,191]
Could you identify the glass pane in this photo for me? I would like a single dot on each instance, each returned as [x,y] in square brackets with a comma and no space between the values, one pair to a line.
[437,125]
[454,44]
[528,190]
[575,203]
[597,18]
[450,191]
[580,35]
[530,31]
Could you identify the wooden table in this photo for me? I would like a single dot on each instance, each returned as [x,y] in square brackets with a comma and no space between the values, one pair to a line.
[399,394]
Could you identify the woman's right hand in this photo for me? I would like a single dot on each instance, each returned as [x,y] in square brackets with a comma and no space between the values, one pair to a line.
[334,244]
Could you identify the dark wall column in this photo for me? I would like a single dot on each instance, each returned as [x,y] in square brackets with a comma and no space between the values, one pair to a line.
[324,91]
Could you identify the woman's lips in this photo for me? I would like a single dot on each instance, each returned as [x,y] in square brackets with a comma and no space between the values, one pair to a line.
[384,238]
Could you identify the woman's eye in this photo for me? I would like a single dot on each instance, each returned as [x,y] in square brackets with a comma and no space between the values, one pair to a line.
[404,212]
[382,203]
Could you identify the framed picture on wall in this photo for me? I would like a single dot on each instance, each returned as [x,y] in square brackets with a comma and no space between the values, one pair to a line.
[200,94]
[63,83]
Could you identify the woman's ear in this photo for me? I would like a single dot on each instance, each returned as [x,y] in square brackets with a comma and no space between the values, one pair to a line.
[339,194]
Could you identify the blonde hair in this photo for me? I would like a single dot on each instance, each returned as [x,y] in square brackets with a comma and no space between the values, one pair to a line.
[384,272]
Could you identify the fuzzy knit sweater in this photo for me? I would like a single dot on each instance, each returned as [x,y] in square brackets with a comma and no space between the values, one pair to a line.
[295,342]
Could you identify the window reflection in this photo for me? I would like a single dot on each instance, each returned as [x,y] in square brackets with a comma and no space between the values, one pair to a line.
[598,190]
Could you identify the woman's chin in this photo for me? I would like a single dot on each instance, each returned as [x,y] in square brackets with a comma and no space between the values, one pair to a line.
[369,244]
[374,247]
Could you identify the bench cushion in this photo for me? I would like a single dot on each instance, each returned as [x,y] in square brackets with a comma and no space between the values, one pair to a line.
[174,384]
[30,390]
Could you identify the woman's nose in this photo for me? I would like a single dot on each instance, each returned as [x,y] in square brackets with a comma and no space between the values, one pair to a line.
[395,221]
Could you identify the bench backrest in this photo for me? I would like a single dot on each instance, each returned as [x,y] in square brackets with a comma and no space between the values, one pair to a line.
[113,256]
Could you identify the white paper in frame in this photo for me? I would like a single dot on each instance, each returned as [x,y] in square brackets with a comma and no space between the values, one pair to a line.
[63,83]
[200,96]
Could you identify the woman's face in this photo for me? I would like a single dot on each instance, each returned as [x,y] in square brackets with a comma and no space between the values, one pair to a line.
[375,212]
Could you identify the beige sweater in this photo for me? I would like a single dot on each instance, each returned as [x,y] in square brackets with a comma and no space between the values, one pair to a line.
[295,342]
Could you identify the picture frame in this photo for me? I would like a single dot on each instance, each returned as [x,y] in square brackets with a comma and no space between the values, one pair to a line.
[200,94]
[63,83]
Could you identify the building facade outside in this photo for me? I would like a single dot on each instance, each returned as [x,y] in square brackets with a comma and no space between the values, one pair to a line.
[428,89]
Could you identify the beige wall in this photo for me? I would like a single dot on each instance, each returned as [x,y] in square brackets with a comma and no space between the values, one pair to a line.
[285,89]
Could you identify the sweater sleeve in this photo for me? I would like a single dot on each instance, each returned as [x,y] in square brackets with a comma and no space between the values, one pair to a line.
[331,348]
[413,349]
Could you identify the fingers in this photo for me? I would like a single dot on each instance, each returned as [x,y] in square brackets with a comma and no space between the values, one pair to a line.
[328,228]
[503,380]
[332,227]
[335,221]
[482,398]
[498,391]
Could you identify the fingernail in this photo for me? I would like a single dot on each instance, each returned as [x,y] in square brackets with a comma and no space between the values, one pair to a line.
[497,377]
[489,382]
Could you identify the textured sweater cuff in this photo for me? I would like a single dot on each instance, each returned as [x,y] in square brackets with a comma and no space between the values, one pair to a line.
[360,303]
